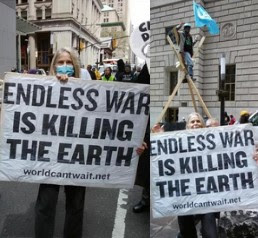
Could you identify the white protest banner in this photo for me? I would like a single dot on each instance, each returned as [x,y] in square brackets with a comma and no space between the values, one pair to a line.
[140,41]
[76,133]
[203,170]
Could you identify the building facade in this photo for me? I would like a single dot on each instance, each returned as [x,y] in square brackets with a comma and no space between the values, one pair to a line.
[72,23]
[122,8]
[7,36]
[114,29]
[238,40]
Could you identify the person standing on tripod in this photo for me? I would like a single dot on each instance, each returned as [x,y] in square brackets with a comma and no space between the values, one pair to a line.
[186,45]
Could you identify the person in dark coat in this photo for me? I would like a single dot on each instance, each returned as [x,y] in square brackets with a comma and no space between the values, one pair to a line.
[143,169]
[244,116]
[120,70]
[92,74]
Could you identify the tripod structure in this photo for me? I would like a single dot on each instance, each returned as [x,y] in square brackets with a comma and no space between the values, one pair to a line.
[182,73]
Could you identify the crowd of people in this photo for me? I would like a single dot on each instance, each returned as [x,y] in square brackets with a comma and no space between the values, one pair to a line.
[123,74]
[231,120]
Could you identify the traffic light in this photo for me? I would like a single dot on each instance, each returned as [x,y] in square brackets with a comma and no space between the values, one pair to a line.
[82,45]
[114,44]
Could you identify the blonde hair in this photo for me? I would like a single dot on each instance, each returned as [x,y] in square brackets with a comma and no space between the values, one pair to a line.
[192,115]
[74,58]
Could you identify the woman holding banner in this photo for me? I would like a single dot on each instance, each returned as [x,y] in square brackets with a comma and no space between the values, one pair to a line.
[187,223]
[64,64]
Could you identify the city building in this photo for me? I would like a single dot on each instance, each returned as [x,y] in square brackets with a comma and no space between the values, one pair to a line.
[72,23]
[122,9]
[238,40]
[115,30]
[7,36]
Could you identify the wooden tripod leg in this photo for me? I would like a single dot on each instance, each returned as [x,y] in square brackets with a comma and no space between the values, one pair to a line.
[179,57]
[199,97]
[192,95]
[171,97]
[199,47]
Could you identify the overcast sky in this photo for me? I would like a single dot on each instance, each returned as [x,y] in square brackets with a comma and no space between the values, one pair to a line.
[139,11]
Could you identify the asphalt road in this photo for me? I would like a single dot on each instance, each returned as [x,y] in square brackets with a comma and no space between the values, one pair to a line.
[108,212]
[164,228]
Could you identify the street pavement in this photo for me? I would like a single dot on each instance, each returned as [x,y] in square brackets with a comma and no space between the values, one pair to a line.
[107,214]
[164,228]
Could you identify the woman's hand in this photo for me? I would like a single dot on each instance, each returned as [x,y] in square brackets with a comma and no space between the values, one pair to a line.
[157,128]
[62,77]
[255,156]
[141,149]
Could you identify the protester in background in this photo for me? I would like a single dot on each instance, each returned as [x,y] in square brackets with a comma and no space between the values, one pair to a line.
[158,128]
[226,118]
[32,71]
[107,75]
[13,70]
[244,116]
[85,74]
[144,76]
[92,74]
[232,120]
[65,63]
[120,70]
[128,75]
[97,73]
[137,72]
[187,223]
[212,122]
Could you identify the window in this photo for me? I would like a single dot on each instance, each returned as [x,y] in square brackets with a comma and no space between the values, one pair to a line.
[77,17]
[230,82]
[105,19]
[43,59]
[172,81]
[39,14]
[172,115]
[24,1]
[167,29]
[48,13]
[24,14]
[72,8]
[111,3]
